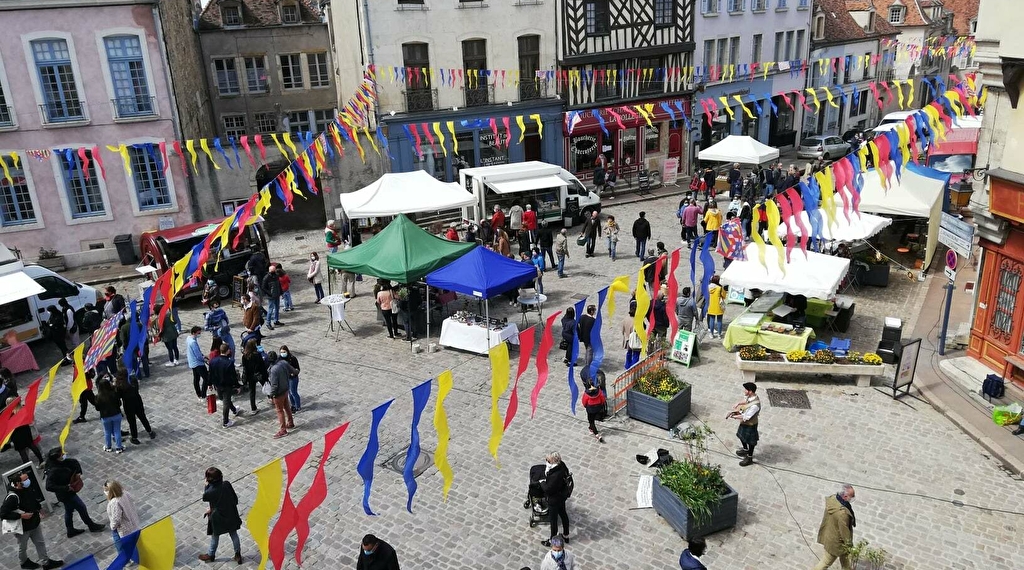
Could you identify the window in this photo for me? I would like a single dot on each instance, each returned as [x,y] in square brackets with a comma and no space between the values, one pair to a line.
[734,50]
[709,6]
[84,196]
[782,5]
[799,52]
[595,14]
[789,45]
[418,96]
[723,52]
[227,76]
[128,74]
[609,87]
[57,81]
[759,5]
[654,84]
[256,74]
[234,125]
[56,287]
[819,27]
[778,46]
[755,48]
[737,5]
[16,206]
[474,57]
[6,115]
[652,138]
[265,123]
[664,12]
[231,15]
[896,15]
[1006,298]
[973,26]
[291,71]
[709,52]
[150,183]
[321,119]
[867,66]
[529,65]
[290,14]
[298,122]
[318,76]
[871,22]
[400,2]
[804,4]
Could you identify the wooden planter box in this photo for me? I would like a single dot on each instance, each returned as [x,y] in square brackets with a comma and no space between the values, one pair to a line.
[673,510]
[862,372]
[660,413]
[52,263]
[876,275]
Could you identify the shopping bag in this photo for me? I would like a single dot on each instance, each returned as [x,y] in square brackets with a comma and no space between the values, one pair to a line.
[1007,415]
[211,404]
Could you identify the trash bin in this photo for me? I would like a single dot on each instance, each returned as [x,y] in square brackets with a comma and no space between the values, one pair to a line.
[125,248]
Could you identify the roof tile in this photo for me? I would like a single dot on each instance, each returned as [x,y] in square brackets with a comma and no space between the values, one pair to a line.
[256,13]
[840,25]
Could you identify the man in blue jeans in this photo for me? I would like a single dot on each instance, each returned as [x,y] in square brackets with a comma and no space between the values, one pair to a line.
[1020,428]
[60,480]
[271,286]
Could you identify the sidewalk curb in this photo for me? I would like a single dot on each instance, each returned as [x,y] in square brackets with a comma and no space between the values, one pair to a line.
[110,279]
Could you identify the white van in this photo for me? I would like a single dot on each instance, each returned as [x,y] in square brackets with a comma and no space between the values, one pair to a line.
[26,291]
[556,195]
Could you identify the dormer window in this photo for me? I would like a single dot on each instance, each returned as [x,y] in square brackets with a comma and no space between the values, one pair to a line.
[974,26]
[290,14]
[896,14]
[819,27]
[870,28]
[937,13]
[231,15]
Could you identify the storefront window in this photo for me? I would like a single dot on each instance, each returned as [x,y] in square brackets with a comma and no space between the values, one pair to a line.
[1006,299]
[432,163]
[652,138]
[467,149]
[583,151]
[627,146]
[490,151]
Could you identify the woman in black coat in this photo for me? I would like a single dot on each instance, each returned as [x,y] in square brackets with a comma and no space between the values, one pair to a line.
[134,409]
[556,490]
[222,516]
[568,333]
[254,371]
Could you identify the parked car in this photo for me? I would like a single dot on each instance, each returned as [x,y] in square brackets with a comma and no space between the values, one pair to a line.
[827,147]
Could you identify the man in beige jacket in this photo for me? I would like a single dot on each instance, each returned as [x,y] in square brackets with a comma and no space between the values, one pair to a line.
[836,532]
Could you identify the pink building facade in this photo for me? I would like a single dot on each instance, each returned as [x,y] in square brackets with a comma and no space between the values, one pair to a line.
[77,75]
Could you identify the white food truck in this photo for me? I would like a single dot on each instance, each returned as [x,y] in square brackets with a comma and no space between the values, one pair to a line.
[555,194]
[27,290]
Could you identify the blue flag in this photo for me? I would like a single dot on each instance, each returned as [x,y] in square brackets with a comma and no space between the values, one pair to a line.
[129,551]
[708,262]
[595,339]
[420,395]
[574,390]
[365,466]
[87,563]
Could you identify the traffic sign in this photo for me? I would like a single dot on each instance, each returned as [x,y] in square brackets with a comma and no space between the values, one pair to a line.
[950,273]
[950,259]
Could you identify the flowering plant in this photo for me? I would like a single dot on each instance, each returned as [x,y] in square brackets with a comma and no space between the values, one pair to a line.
[798,355]
[697,483]
[661,384]
[753,353]
[872,358]
[824,356]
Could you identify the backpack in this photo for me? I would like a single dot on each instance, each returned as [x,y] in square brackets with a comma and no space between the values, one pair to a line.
[569,483]
[993,387]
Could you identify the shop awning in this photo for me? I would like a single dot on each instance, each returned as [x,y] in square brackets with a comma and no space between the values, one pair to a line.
[404,193]
[816,275]
[741,149]
[513,186]
[17,286]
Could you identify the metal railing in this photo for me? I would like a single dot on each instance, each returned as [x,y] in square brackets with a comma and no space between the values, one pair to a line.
[6,116]
[132,107]
[62,111]
[532,88]
[625,381]
[480,95]
[420,100]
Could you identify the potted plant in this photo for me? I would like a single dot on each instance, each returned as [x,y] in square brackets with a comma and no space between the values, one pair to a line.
[863,556]
[876,271]
[659,398]
[49,259]
[691,494]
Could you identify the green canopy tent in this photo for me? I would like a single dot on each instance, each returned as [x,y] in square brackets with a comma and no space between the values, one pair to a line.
[402,252]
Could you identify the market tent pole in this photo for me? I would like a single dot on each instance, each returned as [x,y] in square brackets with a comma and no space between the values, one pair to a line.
[428,314]
[487,315]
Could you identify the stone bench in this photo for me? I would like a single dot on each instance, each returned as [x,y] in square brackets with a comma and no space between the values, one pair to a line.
[861,372]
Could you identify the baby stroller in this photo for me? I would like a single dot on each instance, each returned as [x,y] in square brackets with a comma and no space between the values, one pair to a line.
[535,500]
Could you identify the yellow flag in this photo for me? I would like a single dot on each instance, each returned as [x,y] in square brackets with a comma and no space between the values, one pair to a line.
[455,140]
[830,98]
[828,197]
[643,302]
[873,149]
[899,92]
[262,205]
[291,146]
[268,501]
[78,386]
[15,160]
[522,127]
[499,383]
[440,137]
[728,109]
[156,545]
[774,219]
[126,161]
[903,131]
[284,153]
[862,154]
[373,143]
[7,173]
[289,179]
[206,150]
[190,146]
[619,285]
[45,394]
[758,240]
[767,69]
[540,125]
[745,109]
[444,386]
[814,96]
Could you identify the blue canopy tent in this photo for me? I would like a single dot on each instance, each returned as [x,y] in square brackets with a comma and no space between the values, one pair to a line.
[481,273]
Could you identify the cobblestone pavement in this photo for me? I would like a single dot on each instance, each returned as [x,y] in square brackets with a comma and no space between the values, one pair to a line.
[908,463]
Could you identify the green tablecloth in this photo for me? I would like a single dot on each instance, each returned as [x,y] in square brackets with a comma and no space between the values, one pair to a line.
[739,335]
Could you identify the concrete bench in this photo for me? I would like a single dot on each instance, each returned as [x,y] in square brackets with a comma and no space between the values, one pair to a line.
[861,372]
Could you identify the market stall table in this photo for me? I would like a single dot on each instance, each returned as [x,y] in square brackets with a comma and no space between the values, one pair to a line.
[530,303]
[472,337]
[17,358]
[336,307]
[746,330]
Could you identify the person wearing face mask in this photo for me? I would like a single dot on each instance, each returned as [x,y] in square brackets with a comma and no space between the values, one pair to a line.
[224,379]
[280,372]
[64,480]
[556,489]
[123,516]
[376,555]
[558,558]
[293,379]
[21,506]
[222,516]
[313,275]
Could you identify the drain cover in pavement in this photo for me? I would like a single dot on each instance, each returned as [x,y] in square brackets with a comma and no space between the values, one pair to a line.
[397,463]
[578,296]
[789,399]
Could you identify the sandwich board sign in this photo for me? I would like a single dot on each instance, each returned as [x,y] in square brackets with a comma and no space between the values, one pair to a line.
[685,348]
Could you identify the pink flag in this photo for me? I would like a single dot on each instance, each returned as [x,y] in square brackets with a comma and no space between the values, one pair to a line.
[787,212]
[82,154]
[525,350]
[259,145]
[316,494]
[508,132]
[244,139]
[673,293]
[286,521]
[181,157]
[546,342]
[163,154]
[99,161]
[798,206]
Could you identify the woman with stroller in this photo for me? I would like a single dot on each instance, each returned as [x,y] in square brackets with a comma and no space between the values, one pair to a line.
[556,489]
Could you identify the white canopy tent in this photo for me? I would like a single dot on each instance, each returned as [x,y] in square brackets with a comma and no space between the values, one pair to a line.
[918,194]
[404,193]
[741,149]
[816,275]
[858,228]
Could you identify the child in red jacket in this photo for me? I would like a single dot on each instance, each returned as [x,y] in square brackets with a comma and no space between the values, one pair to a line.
[597,408]
[286,285]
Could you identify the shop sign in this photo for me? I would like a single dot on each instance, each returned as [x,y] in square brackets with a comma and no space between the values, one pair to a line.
[584,144]
[956,234]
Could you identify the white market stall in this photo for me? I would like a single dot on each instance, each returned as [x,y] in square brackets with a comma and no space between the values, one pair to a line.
[858,228]
[741,149]
[404,193]
[816,275]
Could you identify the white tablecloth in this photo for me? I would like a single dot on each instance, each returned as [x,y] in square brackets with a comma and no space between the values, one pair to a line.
[337,305]
[473,338]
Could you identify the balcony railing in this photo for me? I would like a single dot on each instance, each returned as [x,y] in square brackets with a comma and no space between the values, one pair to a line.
[532,88]
[6,116]
[57,112]
[133,107]
[479,96]
[420,100]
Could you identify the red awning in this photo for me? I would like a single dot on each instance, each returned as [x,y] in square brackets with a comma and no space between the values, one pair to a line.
[629,115]
[958,141]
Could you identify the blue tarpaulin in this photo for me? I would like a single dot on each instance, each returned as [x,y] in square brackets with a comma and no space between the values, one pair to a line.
[482,273]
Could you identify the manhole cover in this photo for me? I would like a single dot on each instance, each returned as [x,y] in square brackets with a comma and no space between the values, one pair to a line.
[397,463]
[578,296]
[789,399]
[958,491]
